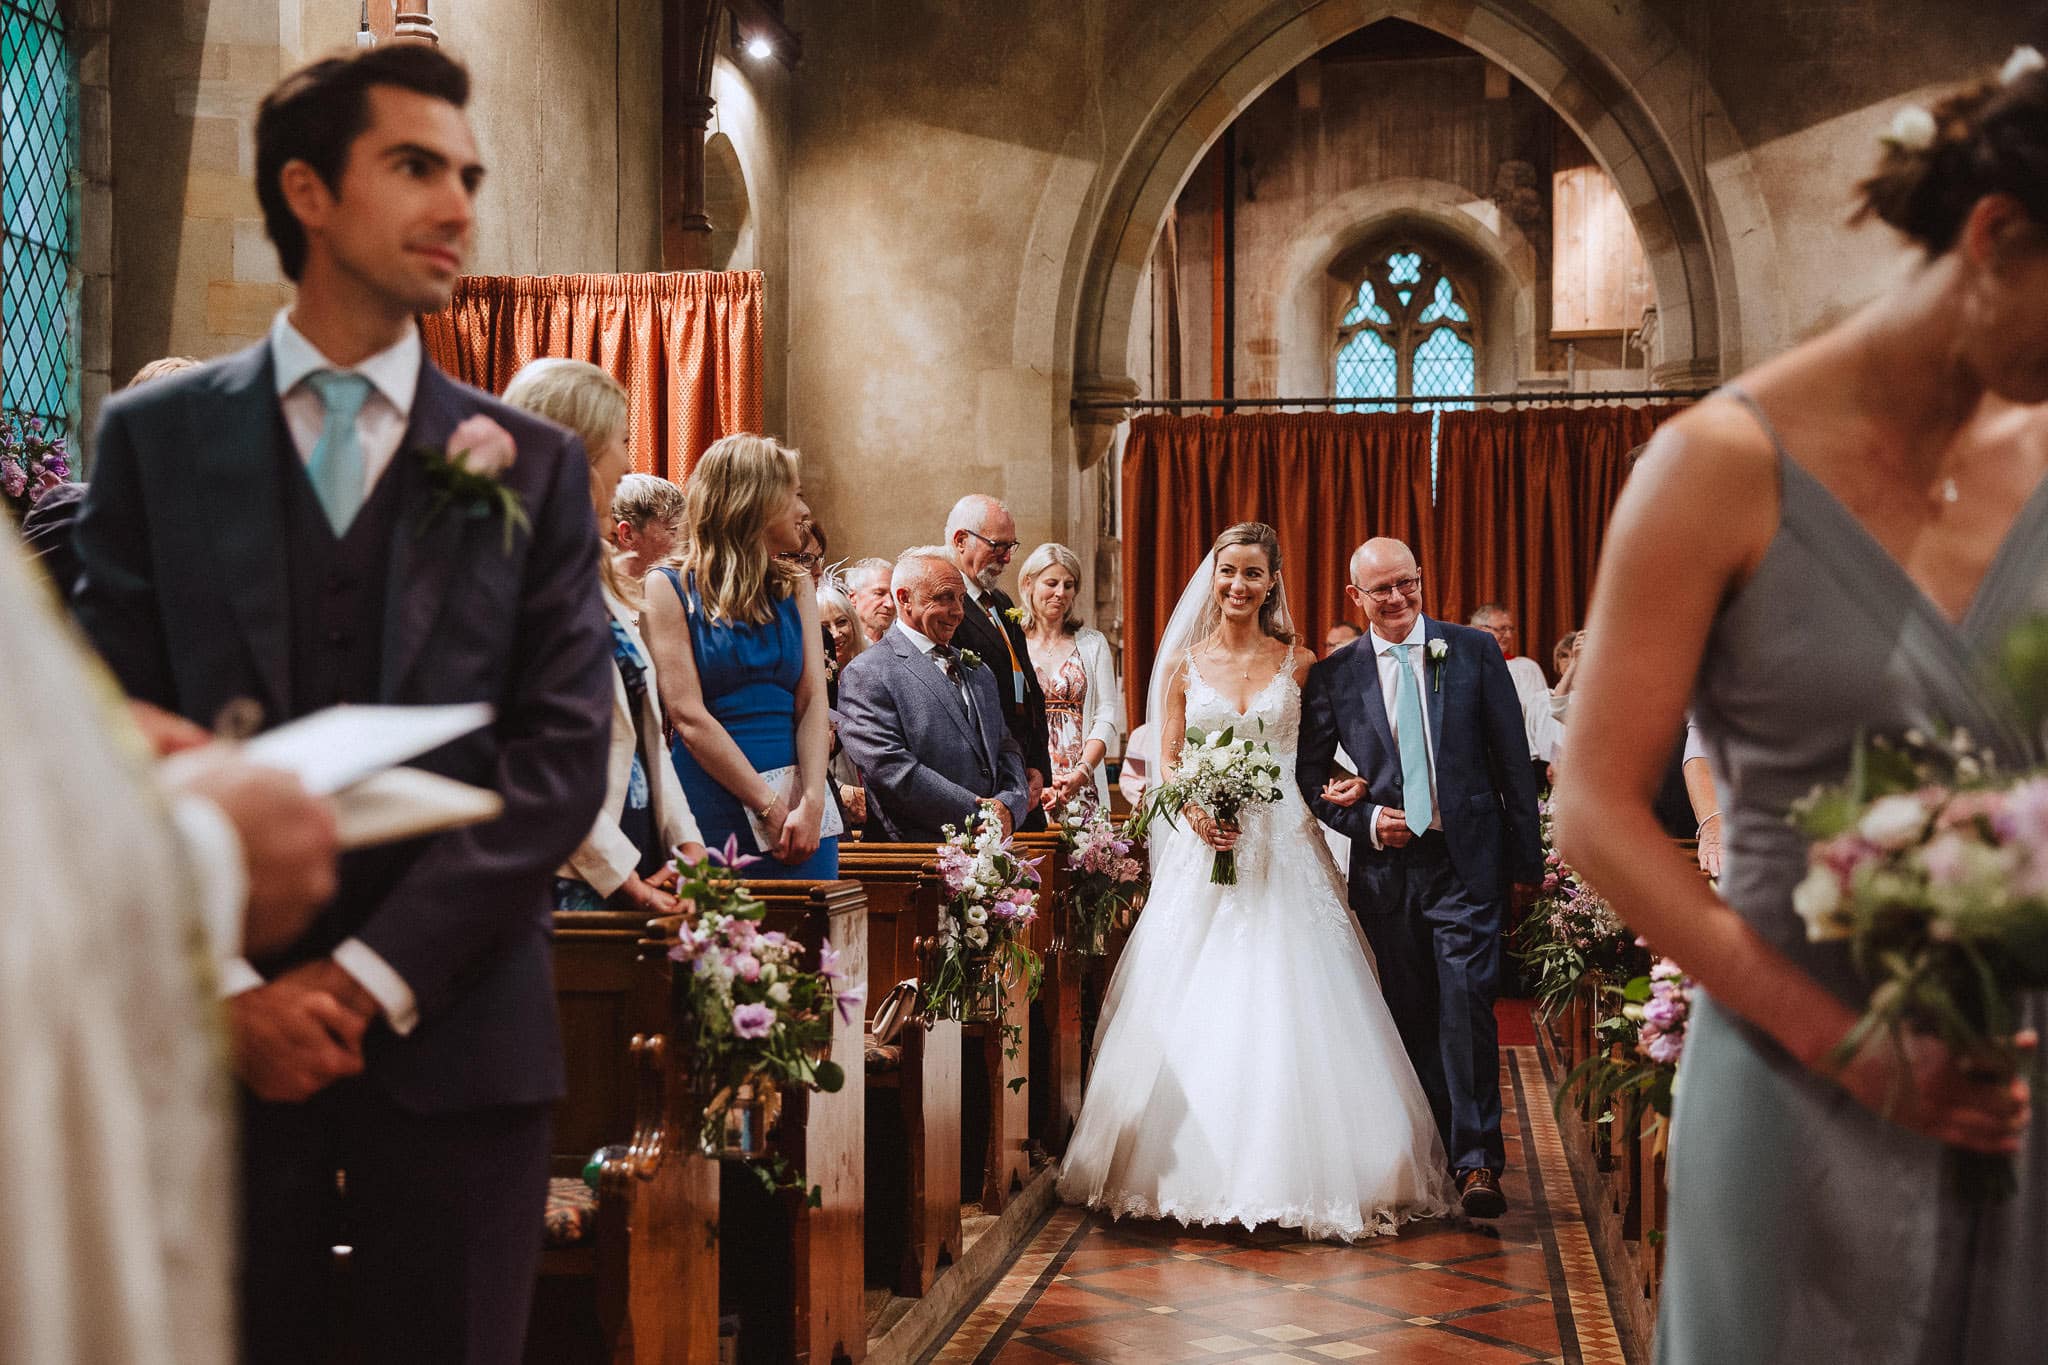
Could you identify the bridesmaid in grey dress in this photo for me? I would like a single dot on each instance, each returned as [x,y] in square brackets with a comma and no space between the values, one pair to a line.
[1882,522]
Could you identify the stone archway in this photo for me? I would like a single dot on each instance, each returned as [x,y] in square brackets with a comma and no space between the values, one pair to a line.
[1621,81]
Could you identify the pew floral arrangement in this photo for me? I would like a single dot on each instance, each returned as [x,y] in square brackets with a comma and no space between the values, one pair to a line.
[1642,1038]
[1931,868]
[1570,934]
[1217,773]
[1107,875]
[32,460]
[764,1021]
[991,900]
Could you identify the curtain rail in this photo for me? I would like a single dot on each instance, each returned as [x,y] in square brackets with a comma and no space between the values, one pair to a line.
[1473,399]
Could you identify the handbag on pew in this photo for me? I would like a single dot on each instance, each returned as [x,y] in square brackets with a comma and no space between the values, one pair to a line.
[893,1013]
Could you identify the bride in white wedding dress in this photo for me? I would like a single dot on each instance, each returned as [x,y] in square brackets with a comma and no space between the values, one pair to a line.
[1246,1068]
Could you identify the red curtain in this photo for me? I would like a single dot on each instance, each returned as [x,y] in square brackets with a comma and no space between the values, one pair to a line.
[1325,481]
[1523,500]
[686,346]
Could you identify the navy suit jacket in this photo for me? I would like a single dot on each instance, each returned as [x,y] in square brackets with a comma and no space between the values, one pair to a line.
[925,765]
[184,590]
[1485,789]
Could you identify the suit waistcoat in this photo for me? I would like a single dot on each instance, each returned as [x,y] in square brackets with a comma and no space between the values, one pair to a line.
[336,590]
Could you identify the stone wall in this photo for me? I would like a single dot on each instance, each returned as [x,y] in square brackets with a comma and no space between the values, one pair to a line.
[566,107]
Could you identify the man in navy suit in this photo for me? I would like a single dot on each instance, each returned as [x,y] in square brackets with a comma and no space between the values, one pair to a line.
[925,724]
[280,525]
[1428,713]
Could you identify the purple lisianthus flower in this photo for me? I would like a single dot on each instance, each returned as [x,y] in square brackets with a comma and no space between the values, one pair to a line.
[1663,1012]
[752,1021]
[745,966]
[849,1003]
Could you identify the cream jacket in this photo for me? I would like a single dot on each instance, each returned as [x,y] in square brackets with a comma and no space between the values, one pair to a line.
[606,856]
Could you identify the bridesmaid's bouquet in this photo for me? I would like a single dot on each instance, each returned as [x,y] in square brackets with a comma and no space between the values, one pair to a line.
[1933,868]
[1220,774]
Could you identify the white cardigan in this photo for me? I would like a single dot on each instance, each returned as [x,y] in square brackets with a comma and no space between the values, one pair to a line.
[1102,709]
[606,857]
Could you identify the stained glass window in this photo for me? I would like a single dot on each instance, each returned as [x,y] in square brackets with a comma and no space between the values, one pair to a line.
[1406,334]
[36,209]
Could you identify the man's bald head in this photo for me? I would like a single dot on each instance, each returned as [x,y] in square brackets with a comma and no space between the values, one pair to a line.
[1379,555]
[1387,586]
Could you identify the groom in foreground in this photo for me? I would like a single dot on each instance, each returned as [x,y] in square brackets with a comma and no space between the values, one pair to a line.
[287,524]
[1429,715]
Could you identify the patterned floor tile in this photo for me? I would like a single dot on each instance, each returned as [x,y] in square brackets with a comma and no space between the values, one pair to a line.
[1524,1290]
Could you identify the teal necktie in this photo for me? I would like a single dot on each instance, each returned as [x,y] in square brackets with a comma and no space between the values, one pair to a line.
[336,467]
[1414,742]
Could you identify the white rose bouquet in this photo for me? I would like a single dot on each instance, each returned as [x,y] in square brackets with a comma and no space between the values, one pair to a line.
[1220,774]
[1933,869]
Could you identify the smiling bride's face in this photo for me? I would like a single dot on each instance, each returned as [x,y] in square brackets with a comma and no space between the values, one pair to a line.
[1243,582]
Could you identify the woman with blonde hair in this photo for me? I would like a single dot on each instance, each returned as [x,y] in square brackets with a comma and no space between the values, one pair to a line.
[625,859]
[743,662]
[1083,708]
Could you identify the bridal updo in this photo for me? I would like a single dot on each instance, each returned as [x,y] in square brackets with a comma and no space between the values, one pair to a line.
[1274,619]
[1988,138]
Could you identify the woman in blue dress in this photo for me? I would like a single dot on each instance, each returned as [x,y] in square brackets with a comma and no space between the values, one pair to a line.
[734,634]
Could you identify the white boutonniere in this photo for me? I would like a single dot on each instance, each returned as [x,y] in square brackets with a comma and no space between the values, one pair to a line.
[2023,62]
[1438,651]
[468,472]
[969,661]
[1913,129]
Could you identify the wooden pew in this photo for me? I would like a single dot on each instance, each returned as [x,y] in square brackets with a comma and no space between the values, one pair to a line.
[593,1301]
[800,1295]
[1056,1055]
[903,911]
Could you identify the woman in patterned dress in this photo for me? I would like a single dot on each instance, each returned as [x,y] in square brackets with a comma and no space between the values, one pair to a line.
[1083,703]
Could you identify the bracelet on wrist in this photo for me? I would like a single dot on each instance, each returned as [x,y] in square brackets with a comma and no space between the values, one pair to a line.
[1715,815]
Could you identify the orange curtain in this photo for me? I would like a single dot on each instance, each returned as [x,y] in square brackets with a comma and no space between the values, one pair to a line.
[1325,481]
[686,346]
[1523,498]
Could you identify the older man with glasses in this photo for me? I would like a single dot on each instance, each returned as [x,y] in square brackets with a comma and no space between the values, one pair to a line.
[1530,685]
[1429,716]
[982,536]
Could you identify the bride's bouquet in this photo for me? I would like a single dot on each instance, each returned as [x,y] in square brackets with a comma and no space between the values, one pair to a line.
[1933,868]
[1219,774]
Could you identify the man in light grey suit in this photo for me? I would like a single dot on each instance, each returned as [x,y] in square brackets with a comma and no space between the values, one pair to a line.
[923,723]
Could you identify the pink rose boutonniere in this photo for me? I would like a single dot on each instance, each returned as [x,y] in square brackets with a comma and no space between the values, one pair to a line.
[468,473]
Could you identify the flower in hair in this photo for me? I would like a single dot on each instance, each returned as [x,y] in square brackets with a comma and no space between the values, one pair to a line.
[2023,62]
[1913,129]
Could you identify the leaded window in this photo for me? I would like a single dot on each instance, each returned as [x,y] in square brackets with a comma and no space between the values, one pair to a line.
[36,209]
[1408,333]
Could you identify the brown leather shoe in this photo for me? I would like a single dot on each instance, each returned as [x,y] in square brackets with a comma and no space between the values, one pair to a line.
[1479,1193]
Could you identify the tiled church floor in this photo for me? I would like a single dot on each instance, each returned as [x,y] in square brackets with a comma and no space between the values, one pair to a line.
[1524,1288]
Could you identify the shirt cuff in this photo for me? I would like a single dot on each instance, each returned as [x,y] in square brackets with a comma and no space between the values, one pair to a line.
[237,976]
[1372,827]
[384,984]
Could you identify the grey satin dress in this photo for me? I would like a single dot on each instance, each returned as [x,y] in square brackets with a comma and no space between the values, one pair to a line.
[1804,1229]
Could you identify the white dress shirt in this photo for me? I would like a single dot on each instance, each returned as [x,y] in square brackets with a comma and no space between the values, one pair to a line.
[925,645]
[1532,691]
[394,375]
[1390,679]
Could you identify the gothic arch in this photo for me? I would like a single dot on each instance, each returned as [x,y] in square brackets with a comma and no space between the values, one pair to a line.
[1621,81]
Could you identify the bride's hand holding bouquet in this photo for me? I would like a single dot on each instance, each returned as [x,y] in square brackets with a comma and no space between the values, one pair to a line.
[1216,776]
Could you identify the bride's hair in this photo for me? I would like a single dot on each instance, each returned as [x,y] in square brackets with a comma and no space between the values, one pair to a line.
[1274,619]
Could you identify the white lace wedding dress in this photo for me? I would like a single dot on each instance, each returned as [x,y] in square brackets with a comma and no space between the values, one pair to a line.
[1246,1068]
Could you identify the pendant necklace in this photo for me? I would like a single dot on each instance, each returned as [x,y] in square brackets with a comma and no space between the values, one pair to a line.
[1948,489]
